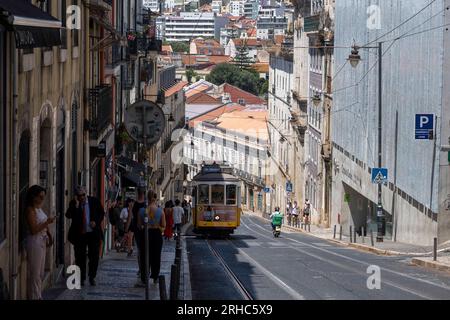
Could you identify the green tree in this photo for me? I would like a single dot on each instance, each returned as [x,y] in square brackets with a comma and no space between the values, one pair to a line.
[246,80]
[242,59]
[263,86]
[180,47]
[190,73]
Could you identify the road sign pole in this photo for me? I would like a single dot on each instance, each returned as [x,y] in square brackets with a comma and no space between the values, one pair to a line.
[380,213]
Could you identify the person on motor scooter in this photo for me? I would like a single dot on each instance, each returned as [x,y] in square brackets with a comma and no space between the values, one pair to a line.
[277,218]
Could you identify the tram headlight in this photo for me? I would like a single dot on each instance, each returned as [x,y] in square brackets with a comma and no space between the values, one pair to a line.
[217,218]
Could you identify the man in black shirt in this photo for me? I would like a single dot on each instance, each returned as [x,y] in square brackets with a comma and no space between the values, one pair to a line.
[132,220]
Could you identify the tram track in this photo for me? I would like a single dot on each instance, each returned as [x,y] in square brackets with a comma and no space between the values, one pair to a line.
[246,295]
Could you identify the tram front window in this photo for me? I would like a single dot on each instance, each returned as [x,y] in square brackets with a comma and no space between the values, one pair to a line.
[217,194]
[231,194]
[203,194]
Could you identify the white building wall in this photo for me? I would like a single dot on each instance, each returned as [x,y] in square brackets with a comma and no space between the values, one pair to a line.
[412,83]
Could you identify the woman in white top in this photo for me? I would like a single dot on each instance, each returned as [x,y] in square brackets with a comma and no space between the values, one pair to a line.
[38,238]
[126,211]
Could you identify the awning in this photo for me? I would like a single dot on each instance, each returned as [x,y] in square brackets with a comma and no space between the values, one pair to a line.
[134,171]
[33,27]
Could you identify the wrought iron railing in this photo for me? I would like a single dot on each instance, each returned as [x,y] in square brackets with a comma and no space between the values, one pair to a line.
[100,102]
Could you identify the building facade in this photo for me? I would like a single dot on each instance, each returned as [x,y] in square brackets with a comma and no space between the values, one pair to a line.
[415,76]
[62,101]
[189,25]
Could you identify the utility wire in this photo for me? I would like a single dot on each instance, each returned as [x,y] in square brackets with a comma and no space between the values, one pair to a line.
[401,24]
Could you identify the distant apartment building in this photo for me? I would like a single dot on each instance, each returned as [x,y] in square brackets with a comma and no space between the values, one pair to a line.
[236,8]
[189,25]
[270,26]
[251,9]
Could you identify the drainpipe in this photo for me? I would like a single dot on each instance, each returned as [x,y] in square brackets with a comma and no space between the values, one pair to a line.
[13,279]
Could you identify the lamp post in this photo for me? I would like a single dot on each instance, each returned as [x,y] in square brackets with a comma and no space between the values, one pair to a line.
[354,60]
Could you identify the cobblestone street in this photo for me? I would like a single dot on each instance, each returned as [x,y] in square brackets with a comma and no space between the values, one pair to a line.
[116,279]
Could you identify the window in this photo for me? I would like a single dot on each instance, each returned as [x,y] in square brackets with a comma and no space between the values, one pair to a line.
[75,33]
[217,194]
[203,194]
[231,194]
[63,22]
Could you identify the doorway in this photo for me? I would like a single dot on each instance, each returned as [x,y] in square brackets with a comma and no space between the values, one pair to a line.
[24,184]
[60,195]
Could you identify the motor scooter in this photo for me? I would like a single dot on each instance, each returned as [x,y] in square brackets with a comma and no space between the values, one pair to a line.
[276,231]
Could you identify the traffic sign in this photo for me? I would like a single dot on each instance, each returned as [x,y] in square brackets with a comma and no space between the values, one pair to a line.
[146,115]
[379,175]
[424,127]
[266,189]
[288,186]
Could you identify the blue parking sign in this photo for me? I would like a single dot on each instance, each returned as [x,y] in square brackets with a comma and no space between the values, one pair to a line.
[424,126]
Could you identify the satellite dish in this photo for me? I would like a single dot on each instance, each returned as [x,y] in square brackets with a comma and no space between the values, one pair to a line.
[145,122]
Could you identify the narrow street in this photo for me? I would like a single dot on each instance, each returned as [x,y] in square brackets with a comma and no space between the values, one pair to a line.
[299,266]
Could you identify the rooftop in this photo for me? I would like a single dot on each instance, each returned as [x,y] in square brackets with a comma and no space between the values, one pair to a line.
[175,88]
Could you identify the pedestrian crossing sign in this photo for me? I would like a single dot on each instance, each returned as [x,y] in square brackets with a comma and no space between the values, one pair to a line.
[379,175]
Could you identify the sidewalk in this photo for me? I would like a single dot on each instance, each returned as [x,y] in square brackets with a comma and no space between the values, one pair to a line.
[117,276]
[422,254]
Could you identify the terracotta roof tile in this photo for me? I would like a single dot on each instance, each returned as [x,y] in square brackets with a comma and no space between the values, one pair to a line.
[201,98]
[215,113]
[197,89]
[251,42]
[236,94]
[204,59]
[251,123]
[175,88]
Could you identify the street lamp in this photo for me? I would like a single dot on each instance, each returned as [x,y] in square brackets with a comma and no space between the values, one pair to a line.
[354,59]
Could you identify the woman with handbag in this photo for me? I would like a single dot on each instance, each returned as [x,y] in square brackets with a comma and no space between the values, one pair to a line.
[38,239]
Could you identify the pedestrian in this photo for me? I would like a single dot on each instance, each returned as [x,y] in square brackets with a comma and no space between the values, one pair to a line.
[38,239]
[156,226]
[289,213]
[189,209]
[114,216]
[126,211]
[85,231]
[168,213]
[295,215]
[178,213]
[306,212]
[185,210]
[132,222]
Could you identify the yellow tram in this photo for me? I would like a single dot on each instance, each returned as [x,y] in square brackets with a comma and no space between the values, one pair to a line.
[216,200]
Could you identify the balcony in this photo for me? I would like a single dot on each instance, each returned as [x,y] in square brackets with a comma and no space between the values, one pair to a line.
[116,54]
[128,79]
[100,103]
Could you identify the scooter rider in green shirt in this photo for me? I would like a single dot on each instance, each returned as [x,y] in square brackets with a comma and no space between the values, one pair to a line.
[277,218]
